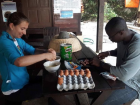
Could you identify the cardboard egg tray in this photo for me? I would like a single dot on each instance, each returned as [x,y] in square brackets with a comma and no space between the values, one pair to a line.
[75,82]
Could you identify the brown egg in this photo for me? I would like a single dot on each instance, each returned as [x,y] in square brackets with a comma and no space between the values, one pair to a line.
[71,72]
[76,70]
[61,73]
[87,70]
[88,75]
[77,73]
[82,72]
[66,72]
[60,80]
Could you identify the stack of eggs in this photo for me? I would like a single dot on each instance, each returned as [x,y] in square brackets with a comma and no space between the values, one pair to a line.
[75,79]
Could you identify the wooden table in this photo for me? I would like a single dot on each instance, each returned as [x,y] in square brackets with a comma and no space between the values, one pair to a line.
[101,85]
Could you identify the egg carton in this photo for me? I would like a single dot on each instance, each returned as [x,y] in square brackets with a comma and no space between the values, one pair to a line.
[76,82]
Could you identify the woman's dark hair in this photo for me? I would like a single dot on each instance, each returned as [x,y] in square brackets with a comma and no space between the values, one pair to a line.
[16,18]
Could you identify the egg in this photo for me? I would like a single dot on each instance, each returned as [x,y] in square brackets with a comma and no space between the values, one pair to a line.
[76,70]
[61,73]
[77,73]
[88,75]
[82,72]
[66,72]
[60,80]
[87,70]
[71,72]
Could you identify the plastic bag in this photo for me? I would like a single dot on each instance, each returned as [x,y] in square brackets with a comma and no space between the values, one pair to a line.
[109,76]
[71,65]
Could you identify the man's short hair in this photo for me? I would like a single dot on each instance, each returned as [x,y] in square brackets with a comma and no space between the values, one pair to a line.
[116,24]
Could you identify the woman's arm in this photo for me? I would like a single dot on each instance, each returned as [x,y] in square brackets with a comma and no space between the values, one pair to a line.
[39,51]
[31,59]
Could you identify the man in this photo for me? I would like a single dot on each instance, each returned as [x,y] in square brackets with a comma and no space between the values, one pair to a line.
[128,61]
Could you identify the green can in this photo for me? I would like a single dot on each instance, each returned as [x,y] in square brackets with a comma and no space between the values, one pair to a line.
[66,51]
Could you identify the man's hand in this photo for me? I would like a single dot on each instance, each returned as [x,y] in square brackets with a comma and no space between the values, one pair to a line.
[95,61]
[102,55]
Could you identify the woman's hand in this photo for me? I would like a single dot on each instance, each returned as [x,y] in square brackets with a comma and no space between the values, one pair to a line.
[102,55]
[52,51]
[51,55]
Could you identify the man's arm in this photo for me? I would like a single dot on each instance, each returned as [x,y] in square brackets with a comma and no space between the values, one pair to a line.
[105,66]
[97,62]
[113,52]
[103,55]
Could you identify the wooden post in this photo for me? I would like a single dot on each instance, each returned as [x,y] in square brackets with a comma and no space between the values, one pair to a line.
[100,23]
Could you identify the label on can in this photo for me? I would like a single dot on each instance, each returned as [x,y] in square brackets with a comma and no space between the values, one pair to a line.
[66,51]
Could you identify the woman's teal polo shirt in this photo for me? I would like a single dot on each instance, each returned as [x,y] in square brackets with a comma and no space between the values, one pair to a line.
[13,77]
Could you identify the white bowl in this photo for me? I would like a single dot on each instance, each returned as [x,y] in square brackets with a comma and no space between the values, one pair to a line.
[52,66]
[58,58]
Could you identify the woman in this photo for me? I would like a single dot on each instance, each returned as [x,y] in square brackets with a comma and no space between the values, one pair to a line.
[16,85]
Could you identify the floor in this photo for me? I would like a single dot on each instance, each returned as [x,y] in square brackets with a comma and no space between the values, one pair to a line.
[70,98]
[38,101]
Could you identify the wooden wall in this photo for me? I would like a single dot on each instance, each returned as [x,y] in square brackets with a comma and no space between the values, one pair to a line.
[70,25]
[3,24]
[39,12]
[35,31]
